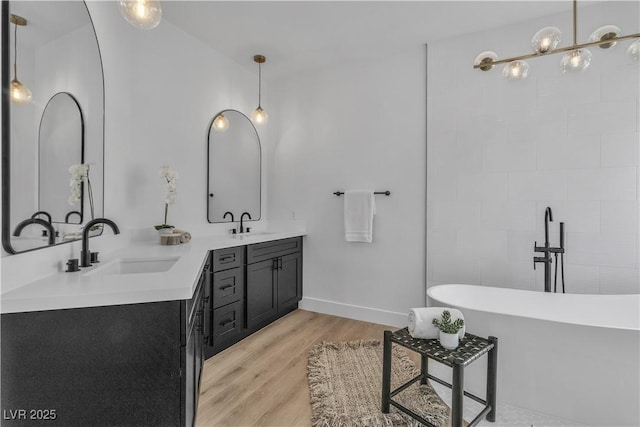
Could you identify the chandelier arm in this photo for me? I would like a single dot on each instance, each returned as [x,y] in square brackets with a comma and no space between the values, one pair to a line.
[558,50]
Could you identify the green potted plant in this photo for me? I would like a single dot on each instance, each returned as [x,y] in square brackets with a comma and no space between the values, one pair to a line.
[448,330]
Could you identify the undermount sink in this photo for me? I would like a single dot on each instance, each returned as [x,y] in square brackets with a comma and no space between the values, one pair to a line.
[251,233]
[135,266]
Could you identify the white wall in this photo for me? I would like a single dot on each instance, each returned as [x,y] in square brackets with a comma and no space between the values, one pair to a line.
[163,87]
[501,152]
[354,126]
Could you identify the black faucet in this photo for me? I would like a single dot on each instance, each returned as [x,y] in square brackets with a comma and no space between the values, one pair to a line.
[241,219]
[42,222]
[45,213]
[85,254]
[66,217]
[547,250]
[233,230]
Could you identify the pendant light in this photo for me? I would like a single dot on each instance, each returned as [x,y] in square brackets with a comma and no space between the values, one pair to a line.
[259,116]
[576,58]
[634,50]
[142,14]
[221,123]
[20,94]
[516,70]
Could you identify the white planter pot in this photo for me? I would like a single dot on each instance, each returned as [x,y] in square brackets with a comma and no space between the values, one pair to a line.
[449,341]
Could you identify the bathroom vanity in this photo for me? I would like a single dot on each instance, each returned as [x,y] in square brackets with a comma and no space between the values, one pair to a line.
[127,348]
[241,303]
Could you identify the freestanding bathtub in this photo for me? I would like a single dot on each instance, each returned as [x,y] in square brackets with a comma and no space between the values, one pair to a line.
[566,355]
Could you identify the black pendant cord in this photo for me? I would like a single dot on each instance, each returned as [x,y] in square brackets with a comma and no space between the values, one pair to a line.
[259,85]
[575,22]
[15,52]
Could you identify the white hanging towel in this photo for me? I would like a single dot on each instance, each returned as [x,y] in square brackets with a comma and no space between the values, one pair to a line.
[359,208]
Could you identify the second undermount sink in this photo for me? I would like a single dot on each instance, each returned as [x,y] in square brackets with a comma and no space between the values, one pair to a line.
[134,266]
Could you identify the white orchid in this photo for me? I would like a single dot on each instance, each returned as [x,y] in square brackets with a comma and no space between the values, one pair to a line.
[171,176]
[80,172]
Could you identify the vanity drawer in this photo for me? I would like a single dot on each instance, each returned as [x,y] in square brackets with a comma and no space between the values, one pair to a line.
[267,250]
[227,324]
[228,286]
[224,259]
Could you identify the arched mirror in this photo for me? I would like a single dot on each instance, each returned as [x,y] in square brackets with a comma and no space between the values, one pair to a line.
[234,167]
[60,146]
[51,47]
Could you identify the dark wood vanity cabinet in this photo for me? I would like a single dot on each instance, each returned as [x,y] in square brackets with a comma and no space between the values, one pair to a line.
[129,365]
[250,287]
[225,310]
[274,280]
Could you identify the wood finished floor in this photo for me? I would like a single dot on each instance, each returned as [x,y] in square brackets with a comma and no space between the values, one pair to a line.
[262,380]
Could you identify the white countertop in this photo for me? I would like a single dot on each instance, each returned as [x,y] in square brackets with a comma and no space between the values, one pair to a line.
[77,290]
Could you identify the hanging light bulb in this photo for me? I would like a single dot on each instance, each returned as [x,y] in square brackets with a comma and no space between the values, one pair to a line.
[259,116]
[143,14]
[575,61]
[607,32]
[515,71]
[634,50]
[546,40]
[19,93]
[485,59]
[221,123]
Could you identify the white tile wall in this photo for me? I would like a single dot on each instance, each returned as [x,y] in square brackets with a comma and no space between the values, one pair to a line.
[508,156]
[603,249]
[620,149]
[582,279]
[499,153]
[619,216]
[602,184]
[619,280]
[536,185]
[619,116]
[569,152]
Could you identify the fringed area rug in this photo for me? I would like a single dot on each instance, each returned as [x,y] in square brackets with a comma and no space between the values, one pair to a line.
[345,380]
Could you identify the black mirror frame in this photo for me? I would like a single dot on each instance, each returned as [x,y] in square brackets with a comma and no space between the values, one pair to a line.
[209,194]
[81,148]
[5,121]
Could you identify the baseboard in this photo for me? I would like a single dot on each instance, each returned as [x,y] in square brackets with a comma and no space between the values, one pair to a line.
[373,315]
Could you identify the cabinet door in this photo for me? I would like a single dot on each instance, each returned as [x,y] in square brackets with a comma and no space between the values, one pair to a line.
[190,379]
[261,292]
[208,310]
[289,280]
[199,350]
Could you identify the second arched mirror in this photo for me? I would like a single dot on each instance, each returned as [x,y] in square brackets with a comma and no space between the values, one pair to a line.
[234,167]
[60,145]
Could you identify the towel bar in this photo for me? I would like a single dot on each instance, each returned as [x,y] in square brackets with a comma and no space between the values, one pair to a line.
[386,193]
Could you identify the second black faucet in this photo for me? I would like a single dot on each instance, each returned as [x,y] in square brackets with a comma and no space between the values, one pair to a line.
[242,219]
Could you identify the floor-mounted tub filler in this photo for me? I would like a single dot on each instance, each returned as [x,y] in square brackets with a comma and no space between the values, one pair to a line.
[566,355]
